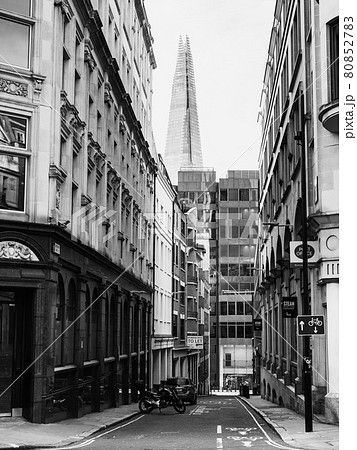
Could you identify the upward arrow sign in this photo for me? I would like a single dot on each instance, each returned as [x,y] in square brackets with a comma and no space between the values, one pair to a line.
[302,323]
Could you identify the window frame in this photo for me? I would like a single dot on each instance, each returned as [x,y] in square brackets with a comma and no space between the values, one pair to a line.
[26,20]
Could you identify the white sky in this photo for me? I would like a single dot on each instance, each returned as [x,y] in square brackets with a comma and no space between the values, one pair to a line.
[229,42]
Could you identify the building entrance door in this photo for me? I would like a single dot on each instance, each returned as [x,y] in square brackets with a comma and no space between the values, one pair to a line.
[15,350]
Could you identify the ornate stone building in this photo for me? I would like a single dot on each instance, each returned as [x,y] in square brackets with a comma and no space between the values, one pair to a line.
[76,194]
[299,113]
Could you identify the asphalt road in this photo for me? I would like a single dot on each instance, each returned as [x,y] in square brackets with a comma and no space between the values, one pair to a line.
[214,423]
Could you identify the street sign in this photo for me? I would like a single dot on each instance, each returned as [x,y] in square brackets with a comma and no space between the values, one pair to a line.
[195,342]
[289,307]
[296,252]
[310,325]
[258,324]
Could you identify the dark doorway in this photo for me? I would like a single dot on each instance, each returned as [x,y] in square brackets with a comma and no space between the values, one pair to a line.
[16,315]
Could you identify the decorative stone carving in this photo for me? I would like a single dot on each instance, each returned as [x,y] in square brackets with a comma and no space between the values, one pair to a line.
[122,127]
[15,250]
[58,195]
[37,83]
[66,9]
[13,87]
[108,99]
[88,56]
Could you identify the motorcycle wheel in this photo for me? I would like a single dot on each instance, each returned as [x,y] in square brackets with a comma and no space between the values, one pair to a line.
[179,406]
[145,406]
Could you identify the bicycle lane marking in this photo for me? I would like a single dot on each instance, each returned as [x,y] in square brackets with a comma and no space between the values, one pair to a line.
[269,440]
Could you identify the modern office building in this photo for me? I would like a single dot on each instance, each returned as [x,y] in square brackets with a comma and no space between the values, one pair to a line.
[183,142]
[299,114]
[76,190]
[231,316]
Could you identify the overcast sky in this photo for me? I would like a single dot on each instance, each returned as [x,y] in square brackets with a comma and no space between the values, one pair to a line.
[229,41]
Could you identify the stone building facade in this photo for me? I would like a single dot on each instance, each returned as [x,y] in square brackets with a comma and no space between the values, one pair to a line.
[299,113]
[76,194]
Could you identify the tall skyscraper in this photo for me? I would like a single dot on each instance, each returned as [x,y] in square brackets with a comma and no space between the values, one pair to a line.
[183,143]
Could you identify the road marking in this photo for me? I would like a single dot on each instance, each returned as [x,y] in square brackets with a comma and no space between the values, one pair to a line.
[90,441]
[219,443]
[219,429]
[269,440]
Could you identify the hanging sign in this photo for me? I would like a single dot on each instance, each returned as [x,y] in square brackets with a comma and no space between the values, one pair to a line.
[289,307]
[296,252]
[258,324]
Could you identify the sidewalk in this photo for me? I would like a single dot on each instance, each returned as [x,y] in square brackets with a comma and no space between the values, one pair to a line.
[18,433]
[291,426]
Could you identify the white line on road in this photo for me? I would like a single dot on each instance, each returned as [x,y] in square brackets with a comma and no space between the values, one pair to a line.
[219,443]
[270,441]
[90,441]
[219,429]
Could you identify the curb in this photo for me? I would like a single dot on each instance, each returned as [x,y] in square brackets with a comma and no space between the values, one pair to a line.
[69,441]
[280,430]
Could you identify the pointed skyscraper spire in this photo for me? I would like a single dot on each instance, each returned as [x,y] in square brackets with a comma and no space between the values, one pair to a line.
[183,142]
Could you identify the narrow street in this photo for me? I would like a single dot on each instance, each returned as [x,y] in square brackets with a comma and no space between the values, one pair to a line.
[221,423]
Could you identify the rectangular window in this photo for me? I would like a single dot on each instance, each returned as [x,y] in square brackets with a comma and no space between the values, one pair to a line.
[233,250]
[248,330]
[244,195]
[174,325]
[224,270]
[13,131]
[240,308]
[15,30]
[240,330]
[231,308]
[233,270]
[231,330]
[224,250]
[12,182]
[182,328]
[334,57]
[223,195]
[233,195]
[223,329]
[228,357]
[223,308]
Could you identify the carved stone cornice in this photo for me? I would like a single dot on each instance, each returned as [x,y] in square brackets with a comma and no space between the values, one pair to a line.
[57,172]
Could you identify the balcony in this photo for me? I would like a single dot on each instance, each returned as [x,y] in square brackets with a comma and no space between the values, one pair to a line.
[329,115]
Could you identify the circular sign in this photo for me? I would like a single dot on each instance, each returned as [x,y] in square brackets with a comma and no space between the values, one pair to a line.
[299,251]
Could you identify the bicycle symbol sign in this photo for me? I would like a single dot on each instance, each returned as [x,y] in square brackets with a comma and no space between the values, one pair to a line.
[310,325]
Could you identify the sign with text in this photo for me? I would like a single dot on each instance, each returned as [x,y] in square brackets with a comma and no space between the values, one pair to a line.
[195,341]
[296,252]
[258,324]
[289,307]
[310,325]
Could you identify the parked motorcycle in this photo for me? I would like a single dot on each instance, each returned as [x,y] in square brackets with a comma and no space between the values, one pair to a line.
[148,400]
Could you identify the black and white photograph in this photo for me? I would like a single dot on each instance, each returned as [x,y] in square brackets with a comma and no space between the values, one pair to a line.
[170,237]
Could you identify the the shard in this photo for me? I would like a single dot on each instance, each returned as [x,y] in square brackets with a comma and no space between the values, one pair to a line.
[183,143]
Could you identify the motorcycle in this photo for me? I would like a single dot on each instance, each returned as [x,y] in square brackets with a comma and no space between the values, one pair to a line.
[166,396]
